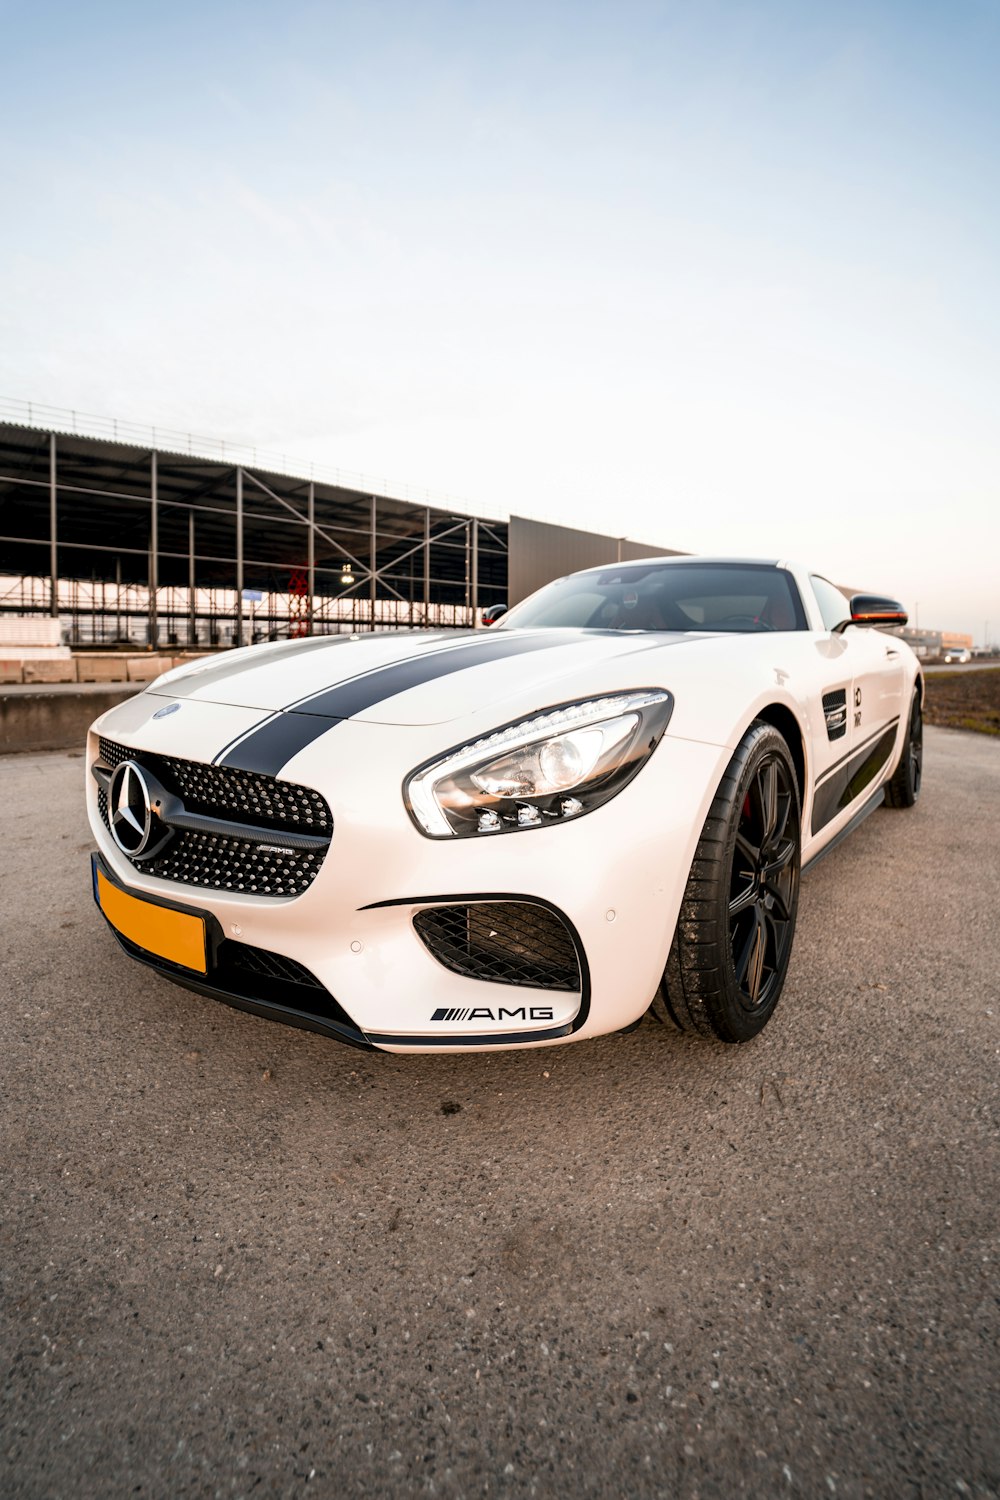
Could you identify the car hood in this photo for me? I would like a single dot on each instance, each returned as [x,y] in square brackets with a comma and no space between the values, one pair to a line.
[415,677]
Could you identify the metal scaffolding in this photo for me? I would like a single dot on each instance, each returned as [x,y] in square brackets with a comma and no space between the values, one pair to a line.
[133,545]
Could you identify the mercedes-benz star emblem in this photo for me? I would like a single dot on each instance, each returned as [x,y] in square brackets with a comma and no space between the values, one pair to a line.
[131,814]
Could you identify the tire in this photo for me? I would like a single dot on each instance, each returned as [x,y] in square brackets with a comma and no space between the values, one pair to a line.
[730,951]
[903,787]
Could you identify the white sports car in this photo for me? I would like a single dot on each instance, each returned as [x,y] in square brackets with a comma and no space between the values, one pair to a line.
[514,836]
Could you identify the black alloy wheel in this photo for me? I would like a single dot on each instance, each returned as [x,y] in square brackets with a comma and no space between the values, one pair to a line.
[903,787]
[733,940]
[763,883]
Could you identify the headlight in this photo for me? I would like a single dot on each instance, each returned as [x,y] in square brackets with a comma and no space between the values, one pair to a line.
[552,767]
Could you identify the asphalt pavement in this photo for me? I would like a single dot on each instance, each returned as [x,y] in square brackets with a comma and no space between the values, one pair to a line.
[239,1259]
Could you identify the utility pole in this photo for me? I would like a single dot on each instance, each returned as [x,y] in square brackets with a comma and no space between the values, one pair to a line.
[153,629]
[373,549]
[238,641]
[53,532]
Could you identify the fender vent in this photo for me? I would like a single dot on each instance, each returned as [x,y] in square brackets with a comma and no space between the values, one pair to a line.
[502,942]
[835,710]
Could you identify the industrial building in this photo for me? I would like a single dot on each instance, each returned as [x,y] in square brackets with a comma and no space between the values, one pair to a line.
[141,539]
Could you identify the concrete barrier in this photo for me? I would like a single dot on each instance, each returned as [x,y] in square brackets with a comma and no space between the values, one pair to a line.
[102,668]
[57,719]
[109,666]
[145,668]
[40,670]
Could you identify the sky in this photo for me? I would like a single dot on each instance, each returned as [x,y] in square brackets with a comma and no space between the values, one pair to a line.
[719,276]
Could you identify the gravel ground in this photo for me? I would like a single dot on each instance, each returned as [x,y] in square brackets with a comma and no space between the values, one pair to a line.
[237,1257]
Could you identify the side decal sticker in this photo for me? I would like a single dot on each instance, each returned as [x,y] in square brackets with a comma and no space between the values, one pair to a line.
[841,784]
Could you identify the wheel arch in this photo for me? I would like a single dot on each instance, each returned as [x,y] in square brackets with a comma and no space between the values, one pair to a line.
[781,718]
[722,979]
[919,687]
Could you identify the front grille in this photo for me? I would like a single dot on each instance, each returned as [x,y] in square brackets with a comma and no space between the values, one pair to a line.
[246,796]
[503,942]
[112,754]
[221,790]
[226,861]
[233,864]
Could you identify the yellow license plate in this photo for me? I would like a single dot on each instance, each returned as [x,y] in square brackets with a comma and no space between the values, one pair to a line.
[175,935]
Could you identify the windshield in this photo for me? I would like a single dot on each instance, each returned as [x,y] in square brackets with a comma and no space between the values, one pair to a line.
[667,596]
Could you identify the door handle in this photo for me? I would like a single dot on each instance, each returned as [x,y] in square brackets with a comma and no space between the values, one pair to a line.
[890,651]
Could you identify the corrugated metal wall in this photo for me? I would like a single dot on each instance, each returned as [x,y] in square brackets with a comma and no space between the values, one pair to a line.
[537,552]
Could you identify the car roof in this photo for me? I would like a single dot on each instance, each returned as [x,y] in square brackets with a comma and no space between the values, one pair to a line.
[688,561]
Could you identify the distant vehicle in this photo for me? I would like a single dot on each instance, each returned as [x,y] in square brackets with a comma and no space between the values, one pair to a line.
[958,654]
[433,841]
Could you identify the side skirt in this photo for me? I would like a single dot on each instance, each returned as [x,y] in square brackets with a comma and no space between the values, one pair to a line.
[859,817]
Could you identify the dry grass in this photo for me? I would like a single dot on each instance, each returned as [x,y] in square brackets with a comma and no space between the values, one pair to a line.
[964,700]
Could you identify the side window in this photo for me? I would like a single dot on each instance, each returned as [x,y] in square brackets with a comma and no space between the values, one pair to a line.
[832,605]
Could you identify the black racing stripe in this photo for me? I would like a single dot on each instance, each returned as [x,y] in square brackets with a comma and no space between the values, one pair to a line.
[376,681]
[221,757]
[223,669]
[270,747]
[353,697]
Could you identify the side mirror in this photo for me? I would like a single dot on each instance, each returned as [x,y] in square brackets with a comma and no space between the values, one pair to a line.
[874,609]
[491,615]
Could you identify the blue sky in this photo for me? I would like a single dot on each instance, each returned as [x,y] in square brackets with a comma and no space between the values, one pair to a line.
[723,276]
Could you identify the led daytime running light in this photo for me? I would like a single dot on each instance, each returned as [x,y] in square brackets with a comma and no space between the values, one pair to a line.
[452,795]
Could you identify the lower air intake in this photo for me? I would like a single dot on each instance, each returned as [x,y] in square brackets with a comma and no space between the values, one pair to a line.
[502,942]
[240,972]
[241,958]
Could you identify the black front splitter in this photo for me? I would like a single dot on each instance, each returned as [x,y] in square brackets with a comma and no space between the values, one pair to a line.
[270,1010]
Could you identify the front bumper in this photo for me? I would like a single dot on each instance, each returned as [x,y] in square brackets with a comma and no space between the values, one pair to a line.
[616,878]
[281,989]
